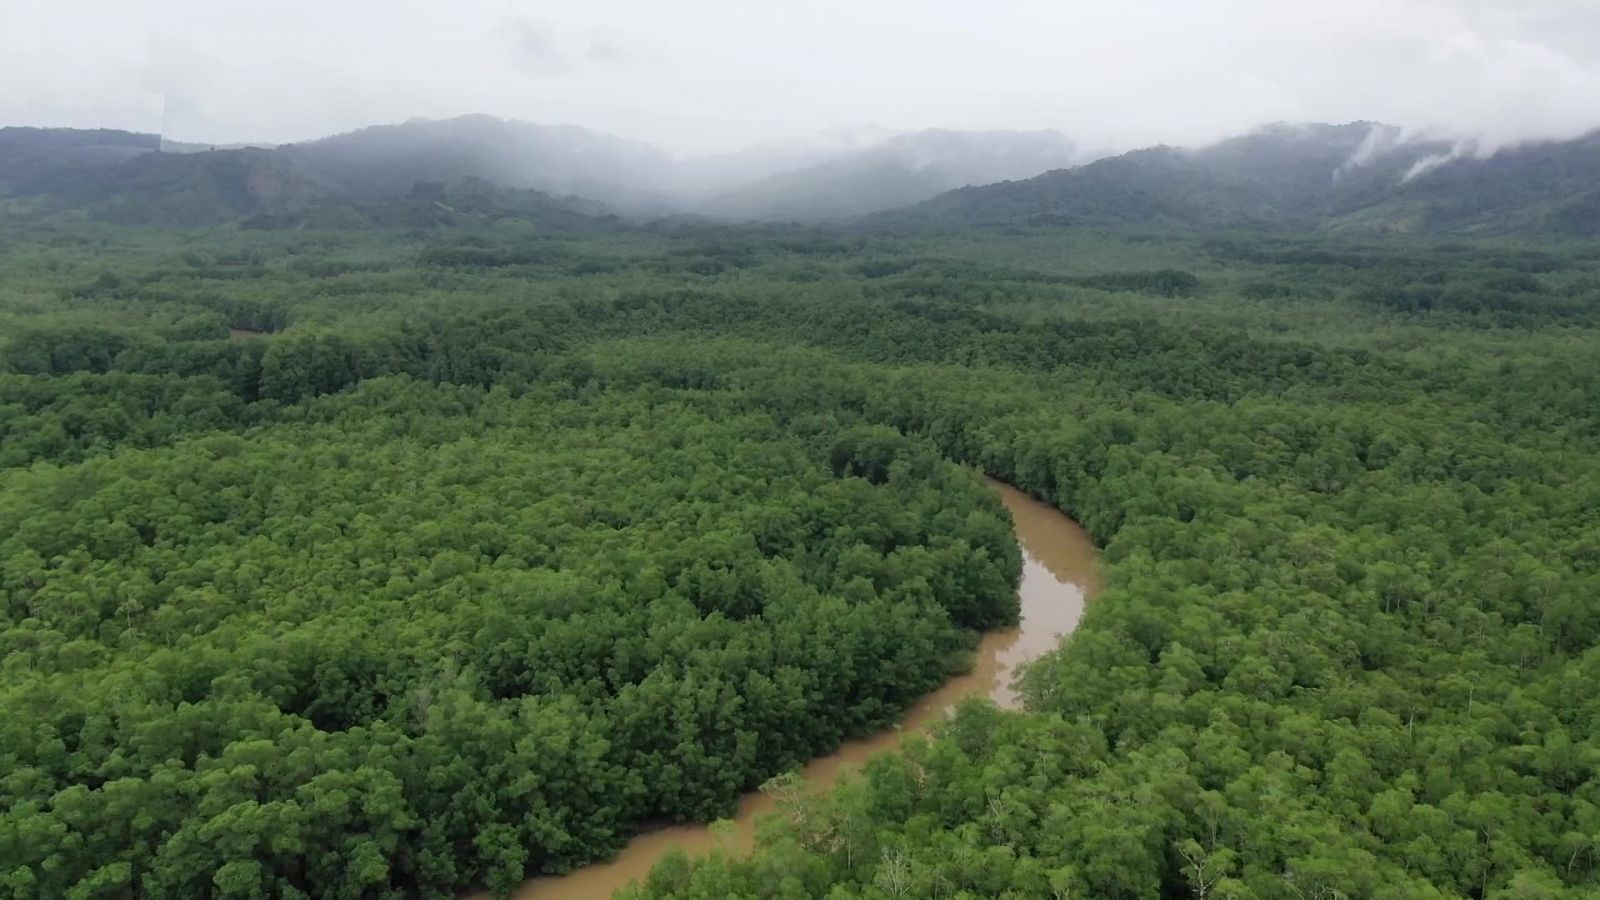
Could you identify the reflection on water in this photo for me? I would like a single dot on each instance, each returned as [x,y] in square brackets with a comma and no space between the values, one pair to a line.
[1058,574]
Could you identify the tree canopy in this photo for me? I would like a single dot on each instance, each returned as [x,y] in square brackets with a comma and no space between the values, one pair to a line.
[380,562]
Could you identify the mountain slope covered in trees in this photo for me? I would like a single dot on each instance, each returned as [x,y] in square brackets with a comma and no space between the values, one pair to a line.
[564,160]
[119,176]
[1301,177]
[1356,177]
[124,178]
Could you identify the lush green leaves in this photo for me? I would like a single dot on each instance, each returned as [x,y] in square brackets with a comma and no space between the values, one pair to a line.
[499,545]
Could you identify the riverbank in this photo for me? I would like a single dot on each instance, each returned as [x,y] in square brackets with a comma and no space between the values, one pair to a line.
[1059,574]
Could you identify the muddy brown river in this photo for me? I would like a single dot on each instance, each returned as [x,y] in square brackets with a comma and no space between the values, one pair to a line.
[1058,574]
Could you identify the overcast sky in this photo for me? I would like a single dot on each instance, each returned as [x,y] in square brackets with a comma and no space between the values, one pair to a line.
[708,75]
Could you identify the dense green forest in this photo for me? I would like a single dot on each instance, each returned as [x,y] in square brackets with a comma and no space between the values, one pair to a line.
[404,561]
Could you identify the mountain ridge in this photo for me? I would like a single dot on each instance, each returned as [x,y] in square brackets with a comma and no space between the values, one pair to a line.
[829,179]
[1358,176]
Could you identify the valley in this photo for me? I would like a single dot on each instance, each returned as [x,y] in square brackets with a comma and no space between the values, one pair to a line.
[460,539]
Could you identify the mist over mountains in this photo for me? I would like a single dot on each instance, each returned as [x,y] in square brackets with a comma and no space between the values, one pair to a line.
[1357,176]
[902,170]
[833,176]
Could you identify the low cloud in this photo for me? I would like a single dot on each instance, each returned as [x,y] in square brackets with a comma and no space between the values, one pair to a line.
[1379,142]
[1428,163]
[717,75]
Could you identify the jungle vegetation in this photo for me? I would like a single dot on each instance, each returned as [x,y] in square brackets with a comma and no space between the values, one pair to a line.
[395,561]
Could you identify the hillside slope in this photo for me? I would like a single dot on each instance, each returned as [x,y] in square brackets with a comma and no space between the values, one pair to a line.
[1361,176]
[1356,176]
[123,178]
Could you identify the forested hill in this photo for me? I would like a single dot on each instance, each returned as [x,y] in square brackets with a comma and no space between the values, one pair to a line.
[124,178]
[121,176]
[45,159]
[1356,177]
[1359,176]
[559,159]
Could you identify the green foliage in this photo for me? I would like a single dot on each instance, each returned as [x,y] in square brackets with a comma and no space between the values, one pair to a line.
[497,545]
[417,614]
[1162,283]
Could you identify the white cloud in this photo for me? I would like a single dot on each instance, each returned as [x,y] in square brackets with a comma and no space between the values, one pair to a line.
[704,75]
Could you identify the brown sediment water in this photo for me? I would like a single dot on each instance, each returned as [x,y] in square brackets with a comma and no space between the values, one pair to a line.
[1058,574]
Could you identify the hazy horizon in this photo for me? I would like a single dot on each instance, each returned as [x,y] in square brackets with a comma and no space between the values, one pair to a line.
[714,76]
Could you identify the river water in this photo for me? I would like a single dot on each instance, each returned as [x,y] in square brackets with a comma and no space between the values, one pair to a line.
[1058,574]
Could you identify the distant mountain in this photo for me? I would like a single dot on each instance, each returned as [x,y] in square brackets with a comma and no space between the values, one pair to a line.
[38,161]
[433,204]
[1360,176]
[170,146]
[831,176]
[556,159]
[1279,175]
[123,178]
[1357,176]
[128,177]
[895,172]
[718,173]
[1541,187]
[135,178]
[199,189]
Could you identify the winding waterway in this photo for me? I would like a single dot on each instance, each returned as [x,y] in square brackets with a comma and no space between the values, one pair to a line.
[1058,574]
